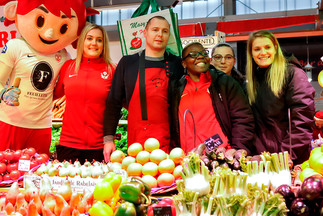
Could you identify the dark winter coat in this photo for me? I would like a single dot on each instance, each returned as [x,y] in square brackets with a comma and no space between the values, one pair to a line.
[272,115]
[230,105]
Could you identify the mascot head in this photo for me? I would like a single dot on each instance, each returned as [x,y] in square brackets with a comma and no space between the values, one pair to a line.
[47,25]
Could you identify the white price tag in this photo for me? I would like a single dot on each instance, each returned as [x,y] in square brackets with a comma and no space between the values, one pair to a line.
[24,165]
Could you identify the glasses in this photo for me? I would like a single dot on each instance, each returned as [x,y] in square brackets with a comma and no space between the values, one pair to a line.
[195,54]
[220,57]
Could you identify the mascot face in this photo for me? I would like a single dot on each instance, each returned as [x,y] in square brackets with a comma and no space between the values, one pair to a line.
[45,32]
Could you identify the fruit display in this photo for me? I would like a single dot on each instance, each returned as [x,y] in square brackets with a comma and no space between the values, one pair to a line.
[155,167]
[10,161]
[314,165]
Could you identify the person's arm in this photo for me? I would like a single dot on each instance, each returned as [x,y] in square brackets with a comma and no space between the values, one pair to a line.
[242,119]
[300,99]
[59,87]
[113,108]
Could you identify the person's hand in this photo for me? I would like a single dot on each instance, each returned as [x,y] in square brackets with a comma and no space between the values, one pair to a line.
[10,96]
[109,147]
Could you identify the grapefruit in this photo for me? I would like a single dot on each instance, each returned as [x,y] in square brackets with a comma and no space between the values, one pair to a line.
[126,161]
[150,168]
[166,166]
[165,179]
[151,144]
[134,149]
[157,156]
[143,157]
[117,156]
[134,169]
[149,180]
[177,154]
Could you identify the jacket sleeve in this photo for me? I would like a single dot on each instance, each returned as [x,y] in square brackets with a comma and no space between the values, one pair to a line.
[300,99]
[115,100]
[241,117]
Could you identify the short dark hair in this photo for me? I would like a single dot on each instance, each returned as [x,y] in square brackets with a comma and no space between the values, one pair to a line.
[189,45]
[222,44]
[155,17]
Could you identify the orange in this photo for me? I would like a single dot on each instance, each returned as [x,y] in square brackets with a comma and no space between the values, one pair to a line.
[150,168]
[134,149]
[157,156]
[134,169]
[143,157]
[177,154]
[165,179]
[117,156]
[151,144]
[166,166]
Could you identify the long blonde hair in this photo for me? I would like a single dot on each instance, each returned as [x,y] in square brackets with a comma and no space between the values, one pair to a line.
[80,45]
[277,71]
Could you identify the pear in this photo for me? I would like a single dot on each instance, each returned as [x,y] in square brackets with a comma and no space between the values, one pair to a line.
[29,189]
[46,187]
[12,193]
[47,212]
[65,211]
[75,199]
[32,209]
[49,201]
[21,202]
[65,190]
[75,212]
[39,205]
[9,208]
[60,203]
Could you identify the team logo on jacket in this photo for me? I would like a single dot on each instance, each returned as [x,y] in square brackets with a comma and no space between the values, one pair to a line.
[158,82]
[105,75]
[4,49]
[41,76]
[58,57]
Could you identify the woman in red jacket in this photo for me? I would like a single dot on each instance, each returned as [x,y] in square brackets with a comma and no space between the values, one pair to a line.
[86,82]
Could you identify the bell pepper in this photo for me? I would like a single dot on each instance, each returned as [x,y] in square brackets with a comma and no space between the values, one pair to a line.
[114,180]
[132,192]
[316,159]
[103,191]
[141,209]
[147,187]
[100,209]
[126,209]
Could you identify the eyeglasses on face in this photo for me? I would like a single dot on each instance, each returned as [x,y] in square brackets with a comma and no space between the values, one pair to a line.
[220,57]
[195,54]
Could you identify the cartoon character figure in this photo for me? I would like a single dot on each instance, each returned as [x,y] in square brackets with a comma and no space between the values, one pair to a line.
[46,27]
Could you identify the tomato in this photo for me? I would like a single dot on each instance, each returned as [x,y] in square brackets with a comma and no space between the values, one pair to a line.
[167,200]
[45,156]
[31,151]
[14,175]
[11,167]
[1,156]
[0,181]
[41,159]
[33,163]
[24,156]
[8,155]
[6,177]
[3,167]
[150,209]
[16,155]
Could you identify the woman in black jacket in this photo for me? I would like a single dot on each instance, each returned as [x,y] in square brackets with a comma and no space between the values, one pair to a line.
[220,109]
[281,97]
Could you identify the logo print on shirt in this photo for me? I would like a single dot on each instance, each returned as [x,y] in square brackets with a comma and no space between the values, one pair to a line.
[41,76]
[4,49]
[29,56]
[58,57]
[158,82]
[105,75]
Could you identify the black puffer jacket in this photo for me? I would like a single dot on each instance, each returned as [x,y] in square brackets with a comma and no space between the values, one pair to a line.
[230,105]
[272,119]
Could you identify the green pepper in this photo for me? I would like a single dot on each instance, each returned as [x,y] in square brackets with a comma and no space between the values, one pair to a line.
[147,187]
[126,209]
[132,192]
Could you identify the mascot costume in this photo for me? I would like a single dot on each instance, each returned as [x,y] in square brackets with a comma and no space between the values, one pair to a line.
[29,67]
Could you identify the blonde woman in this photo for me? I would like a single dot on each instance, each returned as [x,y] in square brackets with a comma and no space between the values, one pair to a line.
[281,97]
[86,82]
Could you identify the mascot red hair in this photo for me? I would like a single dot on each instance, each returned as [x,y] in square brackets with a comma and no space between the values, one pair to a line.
[29,67]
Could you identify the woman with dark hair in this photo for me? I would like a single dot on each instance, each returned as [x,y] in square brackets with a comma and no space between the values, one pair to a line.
[281,97]
[223,59]
[222,115]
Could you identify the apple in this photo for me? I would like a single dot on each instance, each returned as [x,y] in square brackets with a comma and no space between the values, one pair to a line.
[136,43]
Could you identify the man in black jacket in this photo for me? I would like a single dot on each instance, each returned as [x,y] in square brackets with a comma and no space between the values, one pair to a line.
[141,84]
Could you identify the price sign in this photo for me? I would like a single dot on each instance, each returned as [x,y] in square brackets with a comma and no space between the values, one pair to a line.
[213,142]
[24,165]
[162,211]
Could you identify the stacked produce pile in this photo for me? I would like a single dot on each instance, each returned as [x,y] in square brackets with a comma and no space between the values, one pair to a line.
[153,165]
[10,159]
